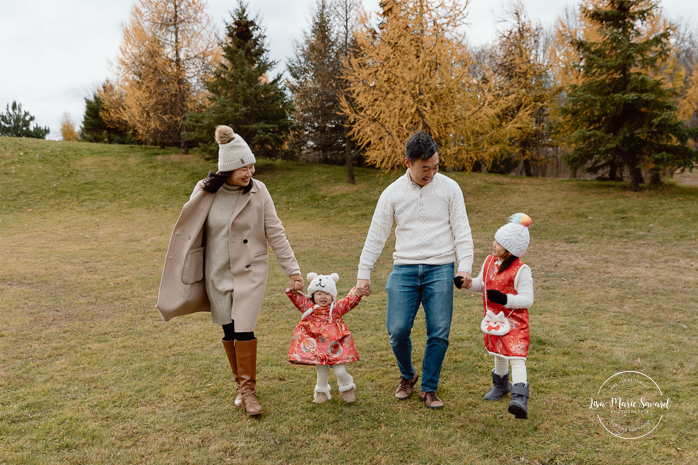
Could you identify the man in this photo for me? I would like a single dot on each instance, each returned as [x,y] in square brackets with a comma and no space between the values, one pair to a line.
[432,224]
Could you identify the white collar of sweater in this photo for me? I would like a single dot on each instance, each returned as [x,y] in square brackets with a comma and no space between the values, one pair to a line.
[412,183]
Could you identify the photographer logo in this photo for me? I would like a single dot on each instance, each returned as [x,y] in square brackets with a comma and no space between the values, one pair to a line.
[630,405]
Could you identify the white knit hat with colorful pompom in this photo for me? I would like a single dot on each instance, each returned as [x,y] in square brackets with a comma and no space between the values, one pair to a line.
[324,283]
[514,236]
[233,151]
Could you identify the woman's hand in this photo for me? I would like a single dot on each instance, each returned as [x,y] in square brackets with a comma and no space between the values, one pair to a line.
[296,282]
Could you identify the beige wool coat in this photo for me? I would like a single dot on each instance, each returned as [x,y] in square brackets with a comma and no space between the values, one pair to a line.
[254,224]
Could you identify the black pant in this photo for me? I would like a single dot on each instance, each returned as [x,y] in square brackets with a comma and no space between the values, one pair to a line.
[231,335]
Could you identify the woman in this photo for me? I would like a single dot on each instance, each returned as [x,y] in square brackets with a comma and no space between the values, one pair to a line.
[217,260]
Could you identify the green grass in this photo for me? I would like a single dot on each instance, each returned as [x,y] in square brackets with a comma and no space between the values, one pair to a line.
[89,373]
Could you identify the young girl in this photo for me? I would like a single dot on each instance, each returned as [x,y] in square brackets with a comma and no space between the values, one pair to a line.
[507,287]
[321,338]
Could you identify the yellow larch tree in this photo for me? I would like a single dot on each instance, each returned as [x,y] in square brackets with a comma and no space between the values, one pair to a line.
[415,72]
[521,77]
[409,74]
[68,131]
[167,53]
[688,105]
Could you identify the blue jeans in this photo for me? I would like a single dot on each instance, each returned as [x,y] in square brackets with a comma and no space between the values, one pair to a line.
[411,285]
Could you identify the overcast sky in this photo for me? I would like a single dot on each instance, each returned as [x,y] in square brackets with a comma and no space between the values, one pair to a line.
[53,53]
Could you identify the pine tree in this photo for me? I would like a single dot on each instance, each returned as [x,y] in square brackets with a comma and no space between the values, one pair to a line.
[16,123]
[242,95]
[623,114]
[94,128]
[315,85]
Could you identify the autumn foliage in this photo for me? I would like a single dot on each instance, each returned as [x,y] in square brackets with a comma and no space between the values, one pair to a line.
[68,131]
[166,56]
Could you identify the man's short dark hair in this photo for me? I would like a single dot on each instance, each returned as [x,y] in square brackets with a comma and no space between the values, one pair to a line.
[420,147]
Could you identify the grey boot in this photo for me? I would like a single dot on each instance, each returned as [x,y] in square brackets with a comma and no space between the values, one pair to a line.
[500,386]
[519,400]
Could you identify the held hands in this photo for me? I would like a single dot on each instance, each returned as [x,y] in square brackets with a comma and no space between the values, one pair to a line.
[496,297]
[296,282]
[463,280]
[363,287]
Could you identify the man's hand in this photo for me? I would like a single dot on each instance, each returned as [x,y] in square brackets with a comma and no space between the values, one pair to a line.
[364,285]
[296,282]
[466,282]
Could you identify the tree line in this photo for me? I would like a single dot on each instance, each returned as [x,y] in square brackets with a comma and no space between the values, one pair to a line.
[614,84]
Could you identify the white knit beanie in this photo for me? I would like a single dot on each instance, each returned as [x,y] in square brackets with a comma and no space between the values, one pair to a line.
[324,283]
[514,236]
[233,151]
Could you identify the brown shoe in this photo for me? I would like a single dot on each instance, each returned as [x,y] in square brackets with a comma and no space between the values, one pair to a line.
[349,396]
[431,399]
[404,389]
[320,398]
[250,402]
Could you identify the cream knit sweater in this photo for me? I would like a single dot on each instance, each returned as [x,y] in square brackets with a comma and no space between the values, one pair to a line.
[219,277]
[431,221]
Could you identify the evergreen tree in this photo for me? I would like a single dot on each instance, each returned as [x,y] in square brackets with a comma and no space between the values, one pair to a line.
[15,123]
[315,85]
[94,128]
[241,94]
[621,115]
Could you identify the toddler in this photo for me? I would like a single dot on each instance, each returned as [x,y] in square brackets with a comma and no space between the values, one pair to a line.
[322,338]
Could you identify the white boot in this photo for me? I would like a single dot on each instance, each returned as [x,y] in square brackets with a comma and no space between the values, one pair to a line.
[346,383]
[322,395]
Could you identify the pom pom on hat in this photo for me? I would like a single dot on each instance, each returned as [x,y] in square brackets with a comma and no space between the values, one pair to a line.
[233,151]
[514,236]
[324,283]
[522,219]
[224,134]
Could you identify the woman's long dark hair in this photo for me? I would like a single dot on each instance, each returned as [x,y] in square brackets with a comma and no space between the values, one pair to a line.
[507,263]
[214,181]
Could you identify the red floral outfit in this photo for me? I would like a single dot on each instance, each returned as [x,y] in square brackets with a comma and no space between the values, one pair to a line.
[515,343]
[322,337]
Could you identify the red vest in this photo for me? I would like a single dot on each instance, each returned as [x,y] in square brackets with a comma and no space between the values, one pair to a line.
[515,342]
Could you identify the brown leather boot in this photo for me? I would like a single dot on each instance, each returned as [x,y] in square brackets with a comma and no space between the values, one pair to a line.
[229,347]
[246,355]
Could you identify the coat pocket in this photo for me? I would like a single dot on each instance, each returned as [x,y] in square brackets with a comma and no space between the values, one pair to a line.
[193,270]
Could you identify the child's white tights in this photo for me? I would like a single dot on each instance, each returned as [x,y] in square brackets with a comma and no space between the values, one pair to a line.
[518,368]
[344,379]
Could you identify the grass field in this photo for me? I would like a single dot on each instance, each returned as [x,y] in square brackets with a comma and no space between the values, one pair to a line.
[89,373]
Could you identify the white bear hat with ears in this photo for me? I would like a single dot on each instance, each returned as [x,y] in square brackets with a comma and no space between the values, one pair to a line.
[324,283]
